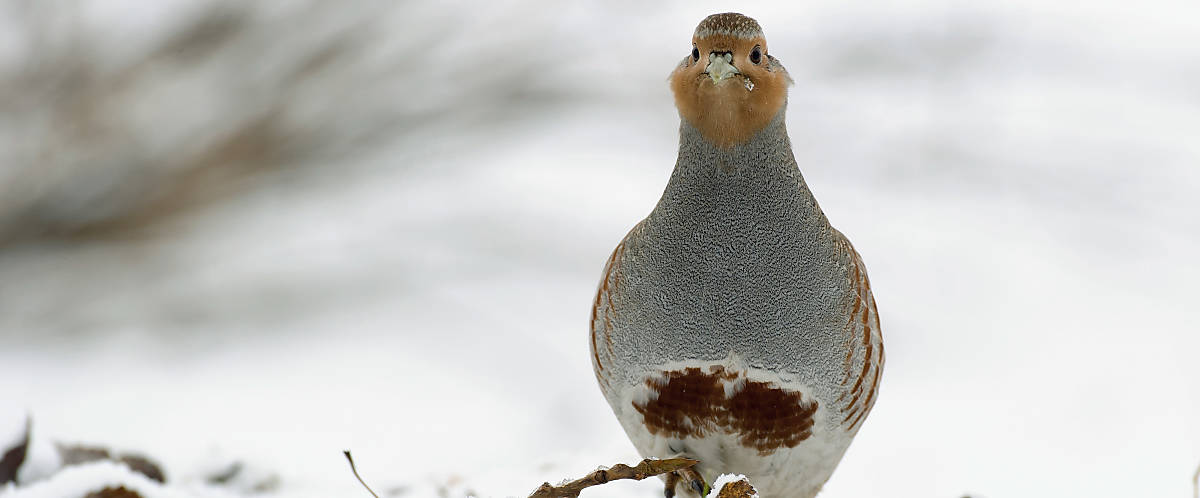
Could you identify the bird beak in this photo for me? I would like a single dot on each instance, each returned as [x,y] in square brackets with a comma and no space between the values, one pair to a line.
[719,67]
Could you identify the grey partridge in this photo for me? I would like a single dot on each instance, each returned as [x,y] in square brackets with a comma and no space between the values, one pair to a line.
[733,324]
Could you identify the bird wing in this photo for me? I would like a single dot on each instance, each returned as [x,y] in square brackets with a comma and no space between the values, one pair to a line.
[863,344]
[603,313]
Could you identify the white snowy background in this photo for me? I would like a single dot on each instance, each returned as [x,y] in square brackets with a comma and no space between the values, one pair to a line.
[411,278]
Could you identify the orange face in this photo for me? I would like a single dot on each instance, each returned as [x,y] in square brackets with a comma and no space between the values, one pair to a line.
[728,87]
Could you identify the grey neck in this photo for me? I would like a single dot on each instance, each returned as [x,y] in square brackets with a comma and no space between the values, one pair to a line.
[757,181]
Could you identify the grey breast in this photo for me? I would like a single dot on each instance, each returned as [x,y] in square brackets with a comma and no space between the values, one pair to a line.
[736,257]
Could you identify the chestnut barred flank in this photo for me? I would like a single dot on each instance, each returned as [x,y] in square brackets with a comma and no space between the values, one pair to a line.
[862,339]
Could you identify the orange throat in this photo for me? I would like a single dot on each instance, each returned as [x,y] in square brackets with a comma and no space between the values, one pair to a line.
[727,116]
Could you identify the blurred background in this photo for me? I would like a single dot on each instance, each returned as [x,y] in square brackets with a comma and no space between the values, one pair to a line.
[265,232]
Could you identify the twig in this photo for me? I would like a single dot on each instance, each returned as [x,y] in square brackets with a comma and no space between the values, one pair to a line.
[1196,483]
[647,468]
[355,471]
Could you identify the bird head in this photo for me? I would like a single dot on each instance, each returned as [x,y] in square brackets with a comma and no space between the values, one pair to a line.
[728,86]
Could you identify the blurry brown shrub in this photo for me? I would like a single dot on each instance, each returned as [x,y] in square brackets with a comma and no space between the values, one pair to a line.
[103,134]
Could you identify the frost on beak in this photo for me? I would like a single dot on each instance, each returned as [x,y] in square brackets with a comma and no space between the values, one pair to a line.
[719,67]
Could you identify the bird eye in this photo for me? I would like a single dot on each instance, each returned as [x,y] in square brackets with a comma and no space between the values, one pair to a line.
[756,54]
[695,54]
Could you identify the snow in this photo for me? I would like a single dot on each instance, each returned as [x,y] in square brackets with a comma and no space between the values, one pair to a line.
[1020,179]
[12,430]
[83,479]
[41,459]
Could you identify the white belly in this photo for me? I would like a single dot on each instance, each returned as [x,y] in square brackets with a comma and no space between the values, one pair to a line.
[735,419]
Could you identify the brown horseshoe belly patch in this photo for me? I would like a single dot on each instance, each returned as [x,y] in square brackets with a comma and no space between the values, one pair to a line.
[694,403]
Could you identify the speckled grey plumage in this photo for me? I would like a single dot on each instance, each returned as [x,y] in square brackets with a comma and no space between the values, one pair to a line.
[737,257]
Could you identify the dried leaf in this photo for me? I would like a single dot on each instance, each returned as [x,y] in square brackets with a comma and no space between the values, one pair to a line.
[14,457]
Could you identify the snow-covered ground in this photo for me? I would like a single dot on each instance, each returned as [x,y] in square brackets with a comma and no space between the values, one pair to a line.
[1020,178]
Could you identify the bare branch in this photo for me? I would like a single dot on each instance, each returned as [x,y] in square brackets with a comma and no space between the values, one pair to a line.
[647,468]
